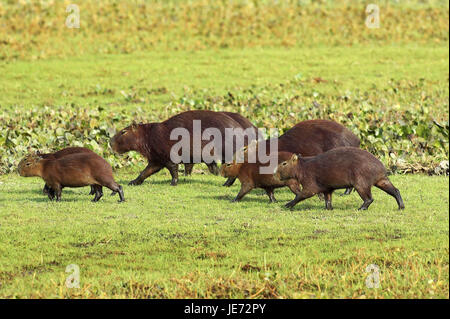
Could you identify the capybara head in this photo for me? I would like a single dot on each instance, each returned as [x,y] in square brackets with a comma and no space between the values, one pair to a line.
[125,140]
[28,166]
[230,169]
[285,170]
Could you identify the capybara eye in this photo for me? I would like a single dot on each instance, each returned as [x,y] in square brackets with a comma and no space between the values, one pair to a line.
[228,165]
[284,163]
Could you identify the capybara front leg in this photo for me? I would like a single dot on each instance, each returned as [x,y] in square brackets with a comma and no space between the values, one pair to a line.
[366,196]
[327,196]
[269,192]
[188,169]
[230,181]
[245,188]
[58,192]
[298,198]
[149,170]
[92,192]
[173,169]
[386,185]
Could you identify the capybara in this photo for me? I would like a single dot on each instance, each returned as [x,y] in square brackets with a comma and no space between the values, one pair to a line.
[74,170]
[338,168]
[61,153]
[250,177]
[153,141]
[312,137]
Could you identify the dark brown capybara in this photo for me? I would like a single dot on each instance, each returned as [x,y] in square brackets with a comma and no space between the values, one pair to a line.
[312,137]
[74,170]
[153,141]
[338,168]
[62,153]
[250,177]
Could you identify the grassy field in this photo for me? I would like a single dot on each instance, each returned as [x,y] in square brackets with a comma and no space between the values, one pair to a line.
[190,241]
[276,63]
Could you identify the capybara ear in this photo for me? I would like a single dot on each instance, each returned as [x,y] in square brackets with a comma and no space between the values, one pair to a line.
[294,158]
[134,126]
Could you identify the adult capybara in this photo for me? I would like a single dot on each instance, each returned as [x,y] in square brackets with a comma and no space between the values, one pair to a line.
[250,177]
[312,137]
[74,170]
[153,141]
[62,153]
[338,168]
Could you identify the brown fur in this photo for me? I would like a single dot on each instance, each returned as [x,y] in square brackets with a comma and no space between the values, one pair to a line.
[313,137]
[152,140]
[250,178]
[73,170]
[62,153]
[338,168]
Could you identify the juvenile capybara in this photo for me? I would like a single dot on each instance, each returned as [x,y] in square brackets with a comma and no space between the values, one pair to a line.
[250,177]
[62,153]
[338,168]
[74,170]
[153,141]
[312,137]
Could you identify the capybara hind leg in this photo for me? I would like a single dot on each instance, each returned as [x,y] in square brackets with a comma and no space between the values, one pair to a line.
[327,196]
[46,189]
[173,169]
[188,169]
[366,195]
[245,188]
[386,185]
[213,168]
[348,191]
[269,192]
[98,192]
[230,181]
[51,194]
[298,198]
[149,170]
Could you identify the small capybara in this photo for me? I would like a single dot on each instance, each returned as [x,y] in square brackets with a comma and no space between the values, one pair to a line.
[313,137]
[74,170]
[62,153]
[338,168]
[153,141]
[250,177]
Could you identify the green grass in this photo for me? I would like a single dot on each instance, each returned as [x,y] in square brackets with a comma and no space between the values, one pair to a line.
[161,77]
[190,241]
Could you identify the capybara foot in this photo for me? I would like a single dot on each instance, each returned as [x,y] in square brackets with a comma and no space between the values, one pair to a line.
[174,182]
[135,182]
